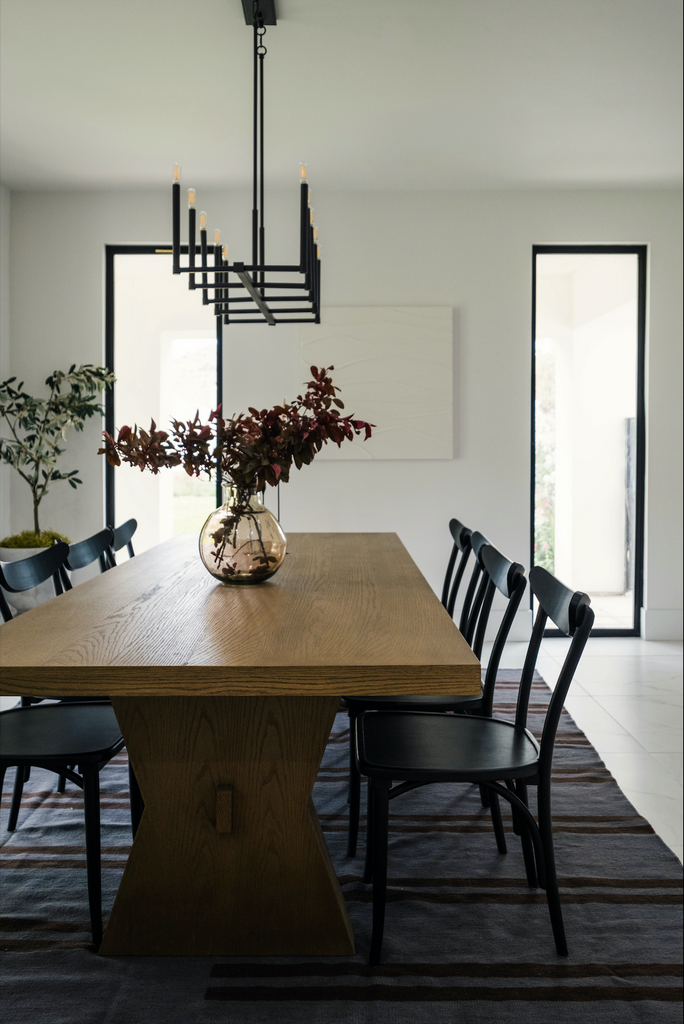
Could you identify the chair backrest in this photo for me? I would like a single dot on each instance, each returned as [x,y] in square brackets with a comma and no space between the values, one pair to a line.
[473,598]
[91,549]
[498,573]
[122,536]
[569,610]
[29,572]
[452,581]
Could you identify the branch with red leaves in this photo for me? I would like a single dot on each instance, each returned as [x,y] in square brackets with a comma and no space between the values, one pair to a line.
[252,450]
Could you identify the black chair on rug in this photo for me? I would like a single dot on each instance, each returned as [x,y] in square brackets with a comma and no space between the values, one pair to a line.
[121,537]
[56,736]
[79,556]
[29,572]
[60,735]
[421,749]
[92,549]
[452,579]
[472,602]
[497,573]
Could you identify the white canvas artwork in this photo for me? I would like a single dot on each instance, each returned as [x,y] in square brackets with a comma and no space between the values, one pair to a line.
[394,365]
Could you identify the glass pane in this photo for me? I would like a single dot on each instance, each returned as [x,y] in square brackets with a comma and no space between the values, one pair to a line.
[585,427]
[165,361]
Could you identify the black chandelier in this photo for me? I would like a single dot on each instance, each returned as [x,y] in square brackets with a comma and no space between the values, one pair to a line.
[262,303]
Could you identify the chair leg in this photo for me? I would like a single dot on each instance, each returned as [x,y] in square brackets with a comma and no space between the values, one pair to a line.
[380,837]
[61,783]
[351,753]
[552,894]
[19,779]
[354,796]
[526,839]
[137,802]
[495,809]
[485,796]
[91,802]
[370,804]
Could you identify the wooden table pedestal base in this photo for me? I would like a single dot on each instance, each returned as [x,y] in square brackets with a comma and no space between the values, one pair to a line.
[229,857]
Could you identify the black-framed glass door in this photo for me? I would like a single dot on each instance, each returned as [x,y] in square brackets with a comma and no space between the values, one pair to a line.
[588,425]
[166,350]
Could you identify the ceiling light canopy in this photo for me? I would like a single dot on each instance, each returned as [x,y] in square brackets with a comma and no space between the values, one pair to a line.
[262,301]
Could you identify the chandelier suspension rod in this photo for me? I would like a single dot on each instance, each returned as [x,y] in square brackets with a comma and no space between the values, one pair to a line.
[255,129]
[261,51]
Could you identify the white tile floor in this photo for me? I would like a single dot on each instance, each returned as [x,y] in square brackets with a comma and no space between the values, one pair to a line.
[627,698]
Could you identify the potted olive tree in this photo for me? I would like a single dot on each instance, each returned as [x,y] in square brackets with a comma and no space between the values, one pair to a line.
[33,439]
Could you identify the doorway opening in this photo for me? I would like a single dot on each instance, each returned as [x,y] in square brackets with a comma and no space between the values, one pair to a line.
[166,351]
[588,427]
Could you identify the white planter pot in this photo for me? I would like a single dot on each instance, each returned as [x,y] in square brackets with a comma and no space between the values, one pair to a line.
[27,598]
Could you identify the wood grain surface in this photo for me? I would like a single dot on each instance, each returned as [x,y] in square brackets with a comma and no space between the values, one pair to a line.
[225,697]
[347,613]
[263,885]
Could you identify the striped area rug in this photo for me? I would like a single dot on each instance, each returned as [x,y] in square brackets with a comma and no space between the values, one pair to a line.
[465,940]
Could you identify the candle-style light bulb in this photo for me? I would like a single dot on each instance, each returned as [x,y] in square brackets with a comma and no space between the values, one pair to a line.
[308,195]
[311,217]
[217,236]
[315,233]
[302,173]
[191,199]
[225,253]
[176,174]
[203,221]
[318,252]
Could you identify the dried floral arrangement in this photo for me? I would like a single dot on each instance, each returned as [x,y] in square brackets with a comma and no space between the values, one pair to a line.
[251,450]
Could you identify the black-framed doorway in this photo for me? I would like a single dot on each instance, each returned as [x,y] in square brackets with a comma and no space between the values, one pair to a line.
[638,441]
[111,251]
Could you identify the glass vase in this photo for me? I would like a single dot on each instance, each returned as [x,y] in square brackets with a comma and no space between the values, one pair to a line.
[241,542]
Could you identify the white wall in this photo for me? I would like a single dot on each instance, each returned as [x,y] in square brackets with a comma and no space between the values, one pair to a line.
[469,250]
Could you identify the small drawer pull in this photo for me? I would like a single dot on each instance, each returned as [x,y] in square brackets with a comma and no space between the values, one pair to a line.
[224,809]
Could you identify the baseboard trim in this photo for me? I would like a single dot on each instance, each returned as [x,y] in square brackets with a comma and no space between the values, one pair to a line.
[661,623]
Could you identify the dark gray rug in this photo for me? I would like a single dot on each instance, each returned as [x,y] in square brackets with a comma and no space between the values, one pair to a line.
[465,940]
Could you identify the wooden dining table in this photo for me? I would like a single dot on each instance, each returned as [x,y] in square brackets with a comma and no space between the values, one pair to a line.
[226,697]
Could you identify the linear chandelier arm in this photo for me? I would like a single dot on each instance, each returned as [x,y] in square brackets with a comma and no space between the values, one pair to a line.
[249,285]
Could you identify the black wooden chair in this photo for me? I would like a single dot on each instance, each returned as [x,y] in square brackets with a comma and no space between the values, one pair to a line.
[80,555]
[27,573]
[92,549]
[454,572]
[61,735]
[472,602]
[121,537]
[56,736]
[421,749]
[496,573]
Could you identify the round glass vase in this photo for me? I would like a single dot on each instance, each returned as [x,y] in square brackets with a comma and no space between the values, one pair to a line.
[241,542]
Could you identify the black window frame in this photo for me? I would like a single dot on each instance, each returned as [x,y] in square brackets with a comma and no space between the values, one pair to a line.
[111,251]
[641,252]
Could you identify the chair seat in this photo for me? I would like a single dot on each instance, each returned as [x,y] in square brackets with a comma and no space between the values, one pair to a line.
[414,702]
[73,733]
[415,747]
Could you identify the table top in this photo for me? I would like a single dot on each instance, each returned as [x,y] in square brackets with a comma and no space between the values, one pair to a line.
[347,613]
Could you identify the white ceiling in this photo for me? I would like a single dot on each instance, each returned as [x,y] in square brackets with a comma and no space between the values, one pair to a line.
[391,94]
